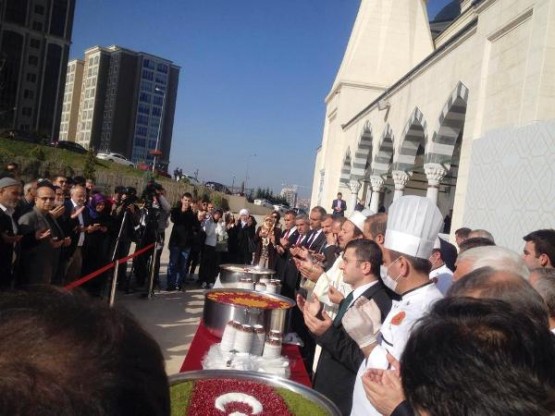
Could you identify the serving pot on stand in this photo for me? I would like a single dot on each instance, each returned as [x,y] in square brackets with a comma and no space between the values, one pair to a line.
[231,274]
[216,314]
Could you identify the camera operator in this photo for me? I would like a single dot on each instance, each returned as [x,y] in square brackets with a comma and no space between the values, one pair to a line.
[124,200]
[153,222]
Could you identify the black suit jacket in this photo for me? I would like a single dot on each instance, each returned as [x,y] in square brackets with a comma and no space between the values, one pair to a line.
[315,244]
[343,208]
[70,227]
[6,251]
[341,356]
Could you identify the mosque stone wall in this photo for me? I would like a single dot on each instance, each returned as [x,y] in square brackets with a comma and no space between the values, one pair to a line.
[511,183]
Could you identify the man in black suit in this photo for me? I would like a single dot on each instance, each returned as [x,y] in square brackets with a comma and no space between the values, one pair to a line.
[42,240]
[316,239]
[339,206]
[74,222]
[10,191]
[288,237]
[341,355]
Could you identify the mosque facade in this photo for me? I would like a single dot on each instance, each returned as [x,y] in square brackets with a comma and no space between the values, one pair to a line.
[464,114]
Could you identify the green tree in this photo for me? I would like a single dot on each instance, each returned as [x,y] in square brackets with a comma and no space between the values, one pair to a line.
[89,169]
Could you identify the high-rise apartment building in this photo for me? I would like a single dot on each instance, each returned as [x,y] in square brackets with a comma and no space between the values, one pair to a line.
[35,37]
[126,104]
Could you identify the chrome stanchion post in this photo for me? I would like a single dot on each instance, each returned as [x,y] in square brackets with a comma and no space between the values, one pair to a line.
[114,283]
[152,271]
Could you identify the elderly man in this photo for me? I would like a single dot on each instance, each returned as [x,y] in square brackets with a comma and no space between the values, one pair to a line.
[244,235]
[491,360]
[27,202]
[42,241]
[498,258]
[74,222]
[10,191]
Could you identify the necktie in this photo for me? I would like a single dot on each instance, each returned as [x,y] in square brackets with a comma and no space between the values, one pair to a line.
[342,309]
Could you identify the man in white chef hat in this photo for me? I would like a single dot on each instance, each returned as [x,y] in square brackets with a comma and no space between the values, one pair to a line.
[412,227]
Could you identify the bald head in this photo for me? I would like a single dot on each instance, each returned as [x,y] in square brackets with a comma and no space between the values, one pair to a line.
[498,258]
[488,283]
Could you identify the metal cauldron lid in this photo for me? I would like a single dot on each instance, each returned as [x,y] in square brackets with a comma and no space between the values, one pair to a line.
[270,296]
[246,268]
[270,380]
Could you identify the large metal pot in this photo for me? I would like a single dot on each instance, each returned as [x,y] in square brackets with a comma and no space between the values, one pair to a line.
[313,396]
[230,274]
[217,314]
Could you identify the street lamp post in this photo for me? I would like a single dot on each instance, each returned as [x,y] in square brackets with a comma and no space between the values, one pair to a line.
[155,153]
[247,171]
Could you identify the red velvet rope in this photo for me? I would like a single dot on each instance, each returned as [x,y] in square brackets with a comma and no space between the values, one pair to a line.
[103,269]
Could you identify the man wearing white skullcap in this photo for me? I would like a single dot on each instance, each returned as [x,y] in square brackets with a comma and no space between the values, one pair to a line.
[412,227]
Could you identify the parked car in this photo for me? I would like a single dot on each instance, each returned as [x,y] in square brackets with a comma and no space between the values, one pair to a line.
[67,145]
[264,203]
[114,157]
[217,187]
[282,209]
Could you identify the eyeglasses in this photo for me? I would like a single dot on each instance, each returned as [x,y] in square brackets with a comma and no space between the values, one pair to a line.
[46,198]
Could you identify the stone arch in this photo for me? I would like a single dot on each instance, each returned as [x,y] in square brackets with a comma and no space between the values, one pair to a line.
[451,123]
[363,152]
[345,176]
[412,139]
[383,157]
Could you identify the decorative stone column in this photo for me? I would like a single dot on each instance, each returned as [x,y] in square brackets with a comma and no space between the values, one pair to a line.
[377,186]
[354,186]
[400,177]
[435,173]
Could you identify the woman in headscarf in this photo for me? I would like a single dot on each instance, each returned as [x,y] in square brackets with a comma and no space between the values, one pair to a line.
[244,238]
[97,243]
[265,238]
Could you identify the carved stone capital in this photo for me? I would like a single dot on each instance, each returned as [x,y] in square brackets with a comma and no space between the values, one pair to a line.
[435,173]
[377,183]
[354,186]
[400,178]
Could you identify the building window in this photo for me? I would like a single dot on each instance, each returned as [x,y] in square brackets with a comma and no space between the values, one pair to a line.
[39,9]
[141,119]
[33,60]
[157,100]
[28,94]
[31,78]
[37,26]
[163,68]
[156,111]
[34,43]
[144,97]
[148,75]
[27,111]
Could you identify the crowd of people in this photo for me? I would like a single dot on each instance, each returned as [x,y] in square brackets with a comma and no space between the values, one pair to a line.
[394,319]
[56,230]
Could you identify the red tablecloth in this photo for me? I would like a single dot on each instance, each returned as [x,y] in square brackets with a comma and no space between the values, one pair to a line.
[203,340]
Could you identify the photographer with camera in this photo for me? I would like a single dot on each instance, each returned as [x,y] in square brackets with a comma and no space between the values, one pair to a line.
[125,216]
[153,220]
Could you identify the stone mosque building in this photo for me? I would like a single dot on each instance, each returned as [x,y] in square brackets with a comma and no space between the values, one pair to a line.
[461,110]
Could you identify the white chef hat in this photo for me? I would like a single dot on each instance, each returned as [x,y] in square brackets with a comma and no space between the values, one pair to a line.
[358,218]
[412,226]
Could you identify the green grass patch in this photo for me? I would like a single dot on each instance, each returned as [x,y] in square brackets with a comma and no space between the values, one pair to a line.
[180,394]
[298,405]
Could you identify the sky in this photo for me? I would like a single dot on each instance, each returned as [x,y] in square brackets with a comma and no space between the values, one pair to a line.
[254,75]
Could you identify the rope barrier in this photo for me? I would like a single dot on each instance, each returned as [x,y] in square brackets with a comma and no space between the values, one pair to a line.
[105,268]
